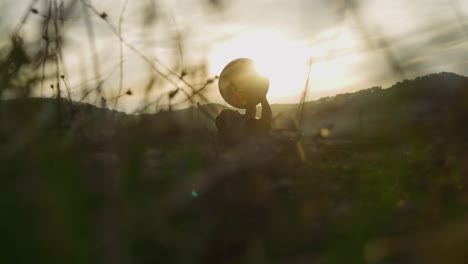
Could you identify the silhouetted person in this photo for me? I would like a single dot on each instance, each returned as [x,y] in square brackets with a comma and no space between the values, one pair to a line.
[243,87]
[234,127]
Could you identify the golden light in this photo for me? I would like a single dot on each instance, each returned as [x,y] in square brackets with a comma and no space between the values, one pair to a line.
[276,57]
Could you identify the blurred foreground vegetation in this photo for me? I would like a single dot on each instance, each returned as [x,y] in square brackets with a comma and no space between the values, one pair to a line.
[377,176]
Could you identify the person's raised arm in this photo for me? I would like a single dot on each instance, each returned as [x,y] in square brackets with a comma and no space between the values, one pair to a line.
[266,110]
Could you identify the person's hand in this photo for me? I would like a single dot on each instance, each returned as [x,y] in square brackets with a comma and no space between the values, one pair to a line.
[256,89]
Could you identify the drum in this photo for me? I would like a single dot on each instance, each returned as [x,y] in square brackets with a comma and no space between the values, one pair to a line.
[241,85]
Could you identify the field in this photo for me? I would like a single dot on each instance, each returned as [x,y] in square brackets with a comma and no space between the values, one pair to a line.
[377,176]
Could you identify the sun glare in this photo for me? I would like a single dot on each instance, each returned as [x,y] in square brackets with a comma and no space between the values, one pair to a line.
[281,60]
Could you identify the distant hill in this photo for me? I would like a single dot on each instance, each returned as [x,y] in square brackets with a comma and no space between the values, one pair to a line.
[430,100]
[426,101]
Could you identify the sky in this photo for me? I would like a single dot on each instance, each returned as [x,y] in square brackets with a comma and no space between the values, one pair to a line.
[347,47]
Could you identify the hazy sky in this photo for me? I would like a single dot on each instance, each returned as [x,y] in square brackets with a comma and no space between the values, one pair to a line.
[346,45]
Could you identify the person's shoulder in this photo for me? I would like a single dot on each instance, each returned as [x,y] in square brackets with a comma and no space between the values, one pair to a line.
[228,113]
[227,117]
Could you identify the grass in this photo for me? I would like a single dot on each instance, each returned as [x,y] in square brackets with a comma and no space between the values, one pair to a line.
[110,190]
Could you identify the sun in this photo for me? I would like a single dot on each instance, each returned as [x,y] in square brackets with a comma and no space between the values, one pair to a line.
[283,61]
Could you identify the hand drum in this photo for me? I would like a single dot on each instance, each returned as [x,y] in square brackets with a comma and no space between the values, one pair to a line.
[240,84]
